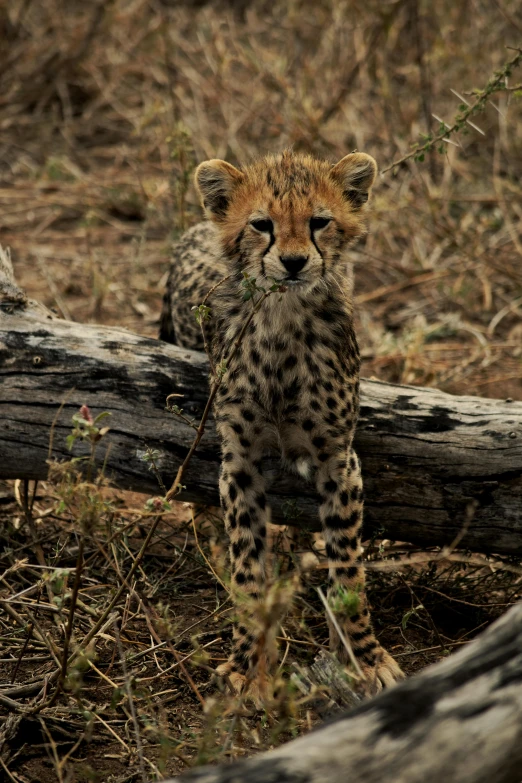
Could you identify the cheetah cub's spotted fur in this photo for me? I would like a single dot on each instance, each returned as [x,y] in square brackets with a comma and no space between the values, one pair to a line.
[294,382]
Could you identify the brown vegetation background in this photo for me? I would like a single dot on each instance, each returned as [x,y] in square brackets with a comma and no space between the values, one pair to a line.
[105,109]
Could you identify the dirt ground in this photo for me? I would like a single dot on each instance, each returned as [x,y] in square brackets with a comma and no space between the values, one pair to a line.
[105,109]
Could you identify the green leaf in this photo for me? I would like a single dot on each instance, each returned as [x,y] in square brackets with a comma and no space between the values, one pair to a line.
[117,696]
[408,615]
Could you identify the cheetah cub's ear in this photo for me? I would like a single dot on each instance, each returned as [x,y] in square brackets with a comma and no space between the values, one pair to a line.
[356,174]
[215,181]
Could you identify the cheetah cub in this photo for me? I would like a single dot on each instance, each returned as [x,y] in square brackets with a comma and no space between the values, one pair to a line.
[293,384]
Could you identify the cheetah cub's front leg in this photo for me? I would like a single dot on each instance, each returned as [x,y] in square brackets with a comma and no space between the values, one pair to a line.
[242,491]
[340,485]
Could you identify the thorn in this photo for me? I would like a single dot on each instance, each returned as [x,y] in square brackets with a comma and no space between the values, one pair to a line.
[497,109]
[475,126]
[435,117]
[459,96]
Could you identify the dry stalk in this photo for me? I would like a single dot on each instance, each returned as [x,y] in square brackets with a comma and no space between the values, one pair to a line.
[179,660]
[27,506]
[38,631]
[30,629]
[359,674]
[70,622]
[128,689]
[203,555]
[105,614]
[54,750]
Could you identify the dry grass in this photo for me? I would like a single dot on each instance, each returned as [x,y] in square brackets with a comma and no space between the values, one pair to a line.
[149,624]
[105,107]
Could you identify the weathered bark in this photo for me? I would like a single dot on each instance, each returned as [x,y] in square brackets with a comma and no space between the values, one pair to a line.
[432,463]
[460,720]
[326,686]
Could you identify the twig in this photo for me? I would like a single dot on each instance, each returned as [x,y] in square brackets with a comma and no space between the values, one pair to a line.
[503,10]
[100,674]
[97,626]
[38,632]
[111,731]
[434,628]
[428,557]
[176,484]
[515,88]
[425,82]
[181,661]
[471,509]
[182,633]
[176,410]
[58,298]
[55,420]
[9,774]
[27,506]
[201,320]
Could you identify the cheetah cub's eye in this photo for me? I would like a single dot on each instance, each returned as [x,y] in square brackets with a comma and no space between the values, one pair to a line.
[319,222]
[265,225]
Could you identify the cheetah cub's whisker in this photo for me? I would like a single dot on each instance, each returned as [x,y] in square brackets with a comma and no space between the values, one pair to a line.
[294,381]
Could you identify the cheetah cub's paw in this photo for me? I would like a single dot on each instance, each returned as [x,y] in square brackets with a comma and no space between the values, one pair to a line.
[254,690]
[384,674]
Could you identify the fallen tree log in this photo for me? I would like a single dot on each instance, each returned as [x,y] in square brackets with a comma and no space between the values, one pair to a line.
[435,466]
[460,720]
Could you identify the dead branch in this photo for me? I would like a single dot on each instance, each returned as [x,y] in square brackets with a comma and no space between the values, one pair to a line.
[438,469]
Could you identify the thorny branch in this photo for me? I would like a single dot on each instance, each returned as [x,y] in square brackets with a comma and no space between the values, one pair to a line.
[496,83]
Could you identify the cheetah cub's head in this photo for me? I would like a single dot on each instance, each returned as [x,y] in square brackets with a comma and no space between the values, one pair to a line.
[288,217]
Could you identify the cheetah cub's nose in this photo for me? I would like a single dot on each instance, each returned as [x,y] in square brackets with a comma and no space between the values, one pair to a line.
[294,264]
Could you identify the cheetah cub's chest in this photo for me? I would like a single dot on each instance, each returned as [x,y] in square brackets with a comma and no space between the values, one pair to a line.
[298,353]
